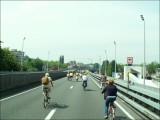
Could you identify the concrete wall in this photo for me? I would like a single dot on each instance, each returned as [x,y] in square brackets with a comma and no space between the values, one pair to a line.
[13,80]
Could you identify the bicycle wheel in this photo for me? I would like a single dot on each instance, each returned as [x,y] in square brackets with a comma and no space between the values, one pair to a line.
[110,114]
[48,100]
[45,102]
[113,112]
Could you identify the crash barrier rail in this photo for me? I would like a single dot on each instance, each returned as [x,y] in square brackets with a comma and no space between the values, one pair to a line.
[145,99]
[14,80]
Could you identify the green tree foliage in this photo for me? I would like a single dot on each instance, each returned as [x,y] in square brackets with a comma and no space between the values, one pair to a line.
[8,61]
[120,68]
[61,59]
[96,66]
[103,67]
[31,64]
[152,67]
[111,68]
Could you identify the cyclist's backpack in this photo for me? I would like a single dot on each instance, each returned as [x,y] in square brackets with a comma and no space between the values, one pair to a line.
[44,80]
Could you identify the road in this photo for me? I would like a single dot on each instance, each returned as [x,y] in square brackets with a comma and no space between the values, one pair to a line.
[68,101]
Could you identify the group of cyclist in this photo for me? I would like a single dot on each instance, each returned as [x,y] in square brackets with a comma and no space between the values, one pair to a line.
[109,90]
[70,75]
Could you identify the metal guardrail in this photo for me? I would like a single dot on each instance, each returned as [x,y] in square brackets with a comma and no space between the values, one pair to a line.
[145,99]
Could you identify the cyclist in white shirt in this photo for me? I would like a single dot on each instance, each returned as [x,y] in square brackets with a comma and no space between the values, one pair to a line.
[84,78]
[71,75]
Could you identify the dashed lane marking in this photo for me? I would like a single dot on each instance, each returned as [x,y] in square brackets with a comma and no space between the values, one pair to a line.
[50,114]
[71,87]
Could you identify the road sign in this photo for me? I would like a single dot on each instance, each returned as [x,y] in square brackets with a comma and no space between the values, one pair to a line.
[129,60]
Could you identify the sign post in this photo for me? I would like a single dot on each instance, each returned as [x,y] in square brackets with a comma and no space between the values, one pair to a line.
[128,79]
[129,60]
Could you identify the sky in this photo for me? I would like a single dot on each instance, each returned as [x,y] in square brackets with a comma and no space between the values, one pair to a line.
[82,30]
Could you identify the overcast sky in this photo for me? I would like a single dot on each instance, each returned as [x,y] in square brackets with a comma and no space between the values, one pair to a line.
[82,30]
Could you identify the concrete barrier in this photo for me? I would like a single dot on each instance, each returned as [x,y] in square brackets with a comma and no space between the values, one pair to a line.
[13,80]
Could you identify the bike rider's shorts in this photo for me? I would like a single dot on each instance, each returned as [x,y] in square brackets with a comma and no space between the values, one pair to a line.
[46,86]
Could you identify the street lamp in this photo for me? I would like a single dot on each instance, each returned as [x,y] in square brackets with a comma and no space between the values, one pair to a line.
[115,61]
[106,64]
[48,60]
[22,55]
[99,65]
[144,51]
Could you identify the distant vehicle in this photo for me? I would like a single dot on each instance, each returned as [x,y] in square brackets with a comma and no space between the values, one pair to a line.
[149,77]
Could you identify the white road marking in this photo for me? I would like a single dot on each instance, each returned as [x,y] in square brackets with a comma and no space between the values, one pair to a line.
[116,103]
[71,87]
[124,111]
[19,94]
[50,114]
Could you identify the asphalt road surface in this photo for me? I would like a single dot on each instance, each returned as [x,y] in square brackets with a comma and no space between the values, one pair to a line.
[68,101]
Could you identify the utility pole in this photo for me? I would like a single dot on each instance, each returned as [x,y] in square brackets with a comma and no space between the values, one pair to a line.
[48,60]
[22,55]
[115,61]
[144,70]
[106,64]
[100,65]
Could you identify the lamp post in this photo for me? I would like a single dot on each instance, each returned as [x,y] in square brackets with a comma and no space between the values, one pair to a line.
[48,60]
[144,52]
[115,61]
[99,65]
[106,64]
[22,54]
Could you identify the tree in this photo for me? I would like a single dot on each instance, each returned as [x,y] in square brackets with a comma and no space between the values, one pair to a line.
[61,59]
[111,68]
[8,61]
[96,66]
[152,67]
[103,66]
[31,64]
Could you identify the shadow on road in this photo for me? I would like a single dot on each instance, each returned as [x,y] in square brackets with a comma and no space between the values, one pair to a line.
[89,90]
[120,118]
[56,105]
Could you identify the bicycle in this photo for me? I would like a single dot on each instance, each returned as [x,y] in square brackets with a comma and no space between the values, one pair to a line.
[46,98]
[111,112]
[84,85]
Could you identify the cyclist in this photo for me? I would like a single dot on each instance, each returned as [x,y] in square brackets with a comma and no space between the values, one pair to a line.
[50,83]
[84,78]
[68,76]
[71,75]
[77,74]
[103,80]
[110,93]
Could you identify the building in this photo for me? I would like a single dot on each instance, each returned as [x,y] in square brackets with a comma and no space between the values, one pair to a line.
[18,54]
[72,63]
